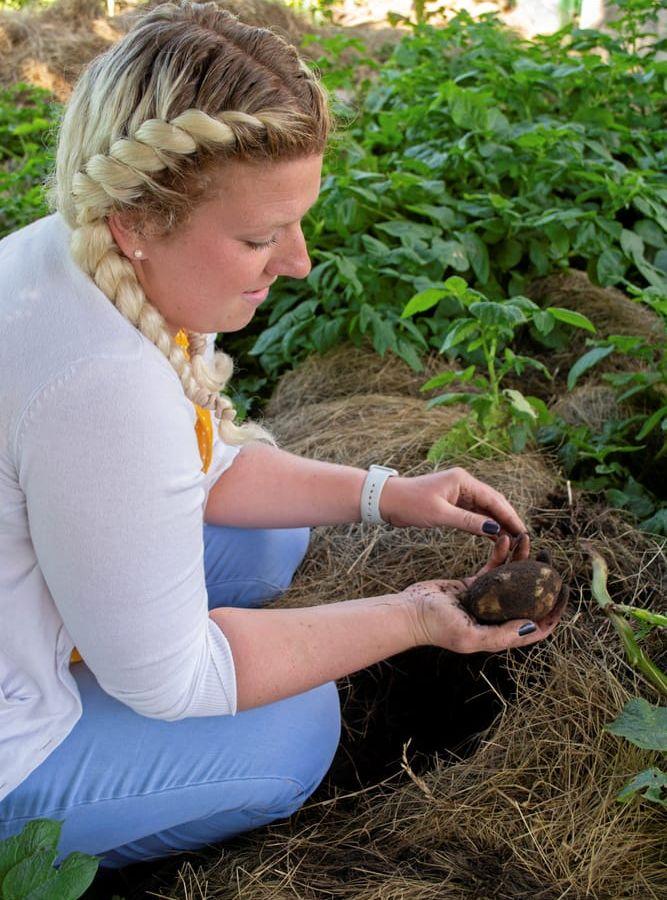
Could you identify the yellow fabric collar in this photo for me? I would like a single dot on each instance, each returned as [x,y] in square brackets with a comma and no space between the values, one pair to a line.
[204,424]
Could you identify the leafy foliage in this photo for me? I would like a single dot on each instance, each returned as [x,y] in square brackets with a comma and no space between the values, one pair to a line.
[645,726]
[27,122]
[486,328]
[475,153]
[26,865]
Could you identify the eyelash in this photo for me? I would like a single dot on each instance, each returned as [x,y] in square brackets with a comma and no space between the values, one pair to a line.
[262,246]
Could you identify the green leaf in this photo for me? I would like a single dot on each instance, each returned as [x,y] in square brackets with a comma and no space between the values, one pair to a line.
[458,333]
[586,362]
[447,378]
[384,337]
[477,254]
[422,301]
[467,109]
[451,254]
[544,322]
[507,254]
[519,402]
[456,285]
[571,318]
[610,267]
[490,313]
[402,228]
[632,244]
[35,878]
[651,233]
[38,835]
[408,353]
[642,724]
[651,422]
[450,399]
[28,875]
[651,781]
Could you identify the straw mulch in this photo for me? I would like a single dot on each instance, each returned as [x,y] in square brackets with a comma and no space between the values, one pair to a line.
[348,371]
[49,46]
[531,814]
[525,805]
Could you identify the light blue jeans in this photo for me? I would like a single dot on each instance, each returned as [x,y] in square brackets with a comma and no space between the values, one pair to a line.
[128,788]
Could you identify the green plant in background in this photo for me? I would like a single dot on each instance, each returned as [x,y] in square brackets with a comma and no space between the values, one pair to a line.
[621,456]
[26,865]
[474,153]
[482,330]
[28,117]
[640,722]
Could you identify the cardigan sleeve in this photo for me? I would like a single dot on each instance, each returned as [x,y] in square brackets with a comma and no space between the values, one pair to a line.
[110,468]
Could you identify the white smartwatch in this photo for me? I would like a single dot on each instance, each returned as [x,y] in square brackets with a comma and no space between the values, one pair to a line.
[370,494]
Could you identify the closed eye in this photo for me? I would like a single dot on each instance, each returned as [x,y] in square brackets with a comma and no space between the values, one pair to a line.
[262,245]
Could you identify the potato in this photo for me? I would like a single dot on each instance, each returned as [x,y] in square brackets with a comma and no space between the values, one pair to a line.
[528,589]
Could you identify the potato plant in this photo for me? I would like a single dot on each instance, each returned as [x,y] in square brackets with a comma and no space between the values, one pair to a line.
[481,331]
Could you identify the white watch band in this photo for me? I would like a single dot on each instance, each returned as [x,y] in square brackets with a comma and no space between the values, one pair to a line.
[370,494]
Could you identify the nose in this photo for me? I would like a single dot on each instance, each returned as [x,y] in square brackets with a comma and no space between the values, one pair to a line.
[291,255]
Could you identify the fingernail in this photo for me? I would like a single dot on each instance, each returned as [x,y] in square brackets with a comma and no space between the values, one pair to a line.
[490,527]
[528,628]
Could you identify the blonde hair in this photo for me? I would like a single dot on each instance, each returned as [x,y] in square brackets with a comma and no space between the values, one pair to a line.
[147,127]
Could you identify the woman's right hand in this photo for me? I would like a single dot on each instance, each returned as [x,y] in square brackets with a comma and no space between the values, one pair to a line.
[441,621]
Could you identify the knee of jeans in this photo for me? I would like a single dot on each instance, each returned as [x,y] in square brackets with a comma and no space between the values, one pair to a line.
[286,550]
[316,736]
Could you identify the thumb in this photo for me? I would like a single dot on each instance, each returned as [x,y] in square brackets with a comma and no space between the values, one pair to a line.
[470,521]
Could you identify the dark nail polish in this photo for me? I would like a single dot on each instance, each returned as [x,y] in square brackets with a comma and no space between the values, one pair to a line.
[490,527]
[528,628]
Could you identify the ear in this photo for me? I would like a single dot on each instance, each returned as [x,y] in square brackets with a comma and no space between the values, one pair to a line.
[125,235]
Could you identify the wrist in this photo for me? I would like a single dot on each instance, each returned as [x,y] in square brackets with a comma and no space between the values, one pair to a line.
[413,607]
[414,601]
[372,492]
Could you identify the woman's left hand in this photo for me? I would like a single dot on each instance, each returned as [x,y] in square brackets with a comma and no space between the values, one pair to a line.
[451,498]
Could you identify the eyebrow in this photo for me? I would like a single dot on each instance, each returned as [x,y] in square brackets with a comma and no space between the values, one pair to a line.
[282,224]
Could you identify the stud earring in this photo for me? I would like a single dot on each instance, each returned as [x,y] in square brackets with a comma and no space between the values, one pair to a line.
[138,254]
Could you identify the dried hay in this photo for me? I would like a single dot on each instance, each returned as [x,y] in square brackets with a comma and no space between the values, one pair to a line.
[49,46]
[366,428]
[526,808]
[347,371]
[590,405]
[531,813]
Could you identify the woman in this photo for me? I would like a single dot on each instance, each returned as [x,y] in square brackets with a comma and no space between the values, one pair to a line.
[187,157]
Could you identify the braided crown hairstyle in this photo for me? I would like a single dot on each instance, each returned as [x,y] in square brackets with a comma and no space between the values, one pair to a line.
[147,127]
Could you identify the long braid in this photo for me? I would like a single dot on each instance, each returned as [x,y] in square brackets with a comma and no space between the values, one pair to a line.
[188,87]
[122,175]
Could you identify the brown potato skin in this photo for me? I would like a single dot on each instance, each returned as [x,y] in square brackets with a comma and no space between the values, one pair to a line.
[528,589]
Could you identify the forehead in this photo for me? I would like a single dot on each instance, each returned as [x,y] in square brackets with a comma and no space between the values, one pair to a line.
[265,195]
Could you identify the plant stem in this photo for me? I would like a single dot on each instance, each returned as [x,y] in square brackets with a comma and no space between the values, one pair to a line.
[636,656]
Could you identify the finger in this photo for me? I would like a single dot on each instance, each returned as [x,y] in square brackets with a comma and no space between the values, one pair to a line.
[482,498]
[499,555]
[473,522]
[506,636]
[521,547]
